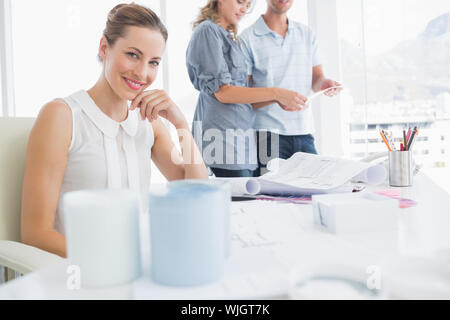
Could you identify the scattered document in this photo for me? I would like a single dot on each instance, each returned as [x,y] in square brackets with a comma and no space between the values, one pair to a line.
[268,224]
[315,95]
[307,174]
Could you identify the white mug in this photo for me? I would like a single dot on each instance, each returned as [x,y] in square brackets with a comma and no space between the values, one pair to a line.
[102,236]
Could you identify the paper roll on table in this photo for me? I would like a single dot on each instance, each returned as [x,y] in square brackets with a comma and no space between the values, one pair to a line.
[373,175]
[307,174]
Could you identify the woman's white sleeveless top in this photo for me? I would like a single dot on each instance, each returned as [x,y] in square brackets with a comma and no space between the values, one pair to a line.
[105,154]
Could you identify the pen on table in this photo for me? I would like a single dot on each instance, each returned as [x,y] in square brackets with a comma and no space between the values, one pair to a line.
[391,142]
[413,134]
[384,139]
[388,136]
[404,140]
[407,137]
[413,138]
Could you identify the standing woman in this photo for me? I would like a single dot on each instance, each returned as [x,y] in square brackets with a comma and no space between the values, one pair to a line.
[93,140]
[223,120]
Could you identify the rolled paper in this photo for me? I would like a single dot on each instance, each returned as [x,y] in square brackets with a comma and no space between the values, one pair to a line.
[187,233]
[374,175]
[102,236]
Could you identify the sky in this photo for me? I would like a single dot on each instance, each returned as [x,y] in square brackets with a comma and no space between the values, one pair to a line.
[388,22]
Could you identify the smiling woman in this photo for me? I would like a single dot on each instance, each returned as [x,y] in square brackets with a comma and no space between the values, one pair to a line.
[92,140]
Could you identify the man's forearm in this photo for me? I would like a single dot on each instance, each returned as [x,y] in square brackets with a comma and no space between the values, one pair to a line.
[317,83]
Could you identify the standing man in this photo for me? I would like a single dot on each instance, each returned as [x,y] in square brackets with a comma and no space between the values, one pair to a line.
[283,53]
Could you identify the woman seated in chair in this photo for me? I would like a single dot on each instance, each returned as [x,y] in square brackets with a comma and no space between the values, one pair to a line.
[94,140]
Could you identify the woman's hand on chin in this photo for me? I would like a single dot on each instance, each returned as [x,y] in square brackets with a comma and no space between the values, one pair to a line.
[154,103]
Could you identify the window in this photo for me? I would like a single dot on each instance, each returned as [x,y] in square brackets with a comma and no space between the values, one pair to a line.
[55,51]
[180,17]
[394,59]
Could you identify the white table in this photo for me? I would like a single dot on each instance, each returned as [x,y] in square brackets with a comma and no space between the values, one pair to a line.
[260,268]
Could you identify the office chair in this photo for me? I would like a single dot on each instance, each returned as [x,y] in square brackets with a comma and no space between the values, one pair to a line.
[16,258]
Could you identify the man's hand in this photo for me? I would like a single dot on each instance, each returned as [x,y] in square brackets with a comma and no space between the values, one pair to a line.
[328,83]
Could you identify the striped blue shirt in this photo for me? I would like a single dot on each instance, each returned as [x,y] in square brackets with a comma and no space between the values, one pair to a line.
[274,61]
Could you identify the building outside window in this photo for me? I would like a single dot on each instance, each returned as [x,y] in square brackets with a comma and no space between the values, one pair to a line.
[395,60]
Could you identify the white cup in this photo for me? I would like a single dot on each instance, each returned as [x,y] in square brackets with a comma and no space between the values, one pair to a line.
[102,236]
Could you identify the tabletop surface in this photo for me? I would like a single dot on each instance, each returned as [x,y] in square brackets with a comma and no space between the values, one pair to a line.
[274,245]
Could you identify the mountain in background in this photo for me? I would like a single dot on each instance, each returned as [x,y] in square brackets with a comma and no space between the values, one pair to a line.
[412,70]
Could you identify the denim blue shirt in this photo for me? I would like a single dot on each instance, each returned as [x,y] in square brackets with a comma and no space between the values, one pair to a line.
[274,61]
[224,132]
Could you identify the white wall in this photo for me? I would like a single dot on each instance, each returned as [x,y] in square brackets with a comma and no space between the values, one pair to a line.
[6,62]
[328,115]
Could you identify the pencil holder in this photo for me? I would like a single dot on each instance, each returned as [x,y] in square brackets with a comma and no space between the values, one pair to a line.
[400,169]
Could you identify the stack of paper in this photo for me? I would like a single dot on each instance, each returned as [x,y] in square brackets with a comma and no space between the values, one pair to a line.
[307,174]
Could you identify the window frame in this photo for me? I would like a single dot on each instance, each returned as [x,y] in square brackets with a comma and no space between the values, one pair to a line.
[332,135]
[6,60]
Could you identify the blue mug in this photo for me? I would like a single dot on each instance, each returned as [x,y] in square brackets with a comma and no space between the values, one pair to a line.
[188,233]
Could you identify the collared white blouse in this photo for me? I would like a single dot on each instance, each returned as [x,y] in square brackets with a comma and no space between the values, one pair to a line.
[105,154]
